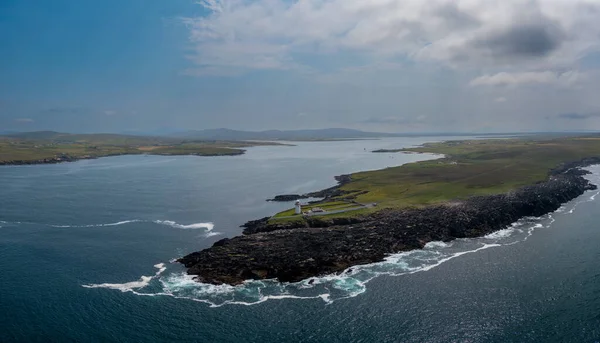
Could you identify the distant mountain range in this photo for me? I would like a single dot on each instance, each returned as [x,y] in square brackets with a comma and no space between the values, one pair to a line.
[216,134]
[7,132]
[316,134]
[228,134]
[238,135]
[91,138]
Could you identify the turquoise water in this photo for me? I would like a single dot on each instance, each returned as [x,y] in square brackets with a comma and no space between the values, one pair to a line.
[85,250]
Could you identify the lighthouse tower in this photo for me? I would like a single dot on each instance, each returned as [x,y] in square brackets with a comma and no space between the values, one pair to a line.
[298,207]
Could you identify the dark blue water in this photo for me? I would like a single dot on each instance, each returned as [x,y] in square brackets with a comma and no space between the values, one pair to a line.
[85,250]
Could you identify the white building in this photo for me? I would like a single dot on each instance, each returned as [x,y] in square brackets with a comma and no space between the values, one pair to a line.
[298,207]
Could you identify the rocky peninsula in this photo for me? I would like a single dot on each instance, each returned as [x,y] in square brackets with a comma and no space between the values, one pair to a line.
[292,252]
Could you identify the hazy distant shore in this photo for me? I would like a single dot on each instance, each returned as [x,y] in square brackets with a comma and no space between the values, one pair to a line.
[49,147]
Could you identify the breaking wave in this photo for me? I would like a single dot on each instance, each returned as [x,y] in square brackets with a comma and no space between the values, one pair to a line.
[4,223]
[100,225]
[349,283]
[131,286]
[207,226]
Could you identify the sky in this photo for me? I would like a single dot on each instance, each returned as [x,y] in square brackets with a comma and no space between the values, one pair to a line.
[376,65]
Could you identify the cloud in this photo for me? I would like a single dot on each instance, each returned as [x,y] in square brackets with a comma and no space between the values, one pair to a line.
[578,116]
[24,120]
[500,99]
[519,78]
[237,36]
[110,112]
[529,40]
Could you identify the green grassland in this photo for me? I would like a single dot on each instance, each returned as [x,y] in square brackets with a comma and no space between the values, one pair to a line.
[38,146]
[474,167]
[326,206]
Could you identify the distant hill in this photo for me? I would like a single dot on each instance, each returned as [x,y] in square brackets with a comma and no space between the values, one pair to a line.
[7,132]
[228,134]
[161,137]
[94,138]
[160,132]
[204,135]
[36,135]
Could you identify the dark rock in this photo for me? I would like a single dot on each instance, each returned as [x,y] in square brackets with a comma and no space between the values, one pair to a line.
[60,158]
[325,193]
[288,197]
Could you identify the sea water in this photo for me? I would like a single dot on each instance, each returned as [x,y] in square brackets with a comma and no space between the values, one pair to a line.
[86,253]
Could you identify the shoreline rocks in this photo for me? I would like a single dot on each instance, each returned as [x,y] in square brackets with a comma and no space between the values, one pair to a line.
[325,193]
[68,158]
[291,254]
[57,159]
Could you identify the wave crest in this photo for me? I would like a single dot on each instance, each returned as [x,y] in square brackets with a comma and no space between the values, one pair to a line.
[208,226]
[130,286]
[100,225]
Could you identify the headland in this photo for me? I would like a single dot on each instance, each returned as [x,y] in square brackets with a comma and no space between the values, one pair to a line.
[478,187]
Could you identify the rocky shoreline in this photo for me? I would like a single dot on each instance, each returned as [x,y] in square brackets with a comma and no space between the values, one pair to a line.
[57,159]
[324,194]
[68,158]
[298,252]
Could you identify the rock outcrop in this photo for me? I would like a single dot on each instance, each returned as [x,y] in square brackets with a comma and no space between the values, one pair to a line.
[294,253]
[325,193]
[52,160]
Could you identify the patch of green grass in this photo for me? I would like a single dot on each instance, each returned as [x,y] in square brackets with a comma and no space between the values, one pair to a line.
[196,149]
[327,206]
[477,167]
[48,145]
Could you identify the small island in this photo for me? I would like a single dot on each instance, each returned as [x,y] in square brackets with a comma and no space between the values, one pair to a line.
[477,187]
[47,147]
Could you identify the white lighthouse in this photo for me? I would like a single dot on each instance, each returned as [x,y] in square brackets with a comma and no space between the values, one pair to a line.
[298,207]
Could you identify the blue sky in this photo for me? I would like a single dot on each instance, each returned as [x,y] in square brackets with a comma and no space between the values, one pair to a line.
[388,65]
[65,63]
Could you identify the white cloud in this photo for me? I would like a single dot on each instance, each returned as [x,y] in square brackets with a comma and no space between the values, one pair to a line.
[500,99]
[514,79]
[24,120]
[110,112]
[242,35]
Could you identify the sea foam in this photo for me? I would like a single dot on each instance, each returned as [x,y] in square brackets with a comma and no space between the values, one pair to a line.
[100,225]
[208,226]
[130,286]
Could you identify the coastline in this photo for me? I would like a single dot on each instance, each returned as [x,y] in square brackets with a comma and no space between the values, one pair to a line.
[69,158]
[290,252]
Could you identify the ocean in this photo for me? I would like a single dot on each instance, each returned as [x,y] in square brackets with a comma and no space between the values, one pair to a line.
[86,251]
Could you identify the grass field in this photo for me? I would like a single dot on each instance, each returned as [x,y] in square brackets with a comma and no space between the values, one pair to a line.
[474,167]
[327,206]
[37,146]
